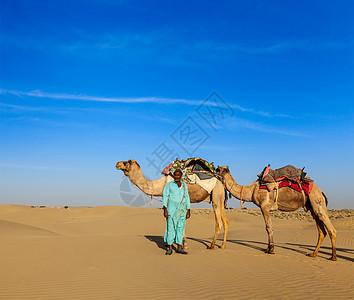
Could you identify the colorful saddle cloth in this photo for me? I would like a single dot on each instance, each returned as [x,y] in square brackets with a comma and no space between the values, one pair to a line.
[287,172]
[190,165]
[305,186]
[287,176]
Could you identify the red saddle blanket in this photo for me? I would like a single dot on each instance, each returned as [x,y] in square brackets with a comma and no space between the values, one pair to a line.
[305,186]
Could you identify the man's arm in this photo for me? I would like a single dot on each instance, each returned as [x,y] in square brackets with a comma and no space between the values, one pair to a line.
[188,213]
[188,204]
[165,213]
[165,196]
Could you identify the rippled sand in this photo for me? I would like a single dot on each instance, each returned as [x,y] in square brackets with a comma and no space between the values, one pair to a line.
[114,252]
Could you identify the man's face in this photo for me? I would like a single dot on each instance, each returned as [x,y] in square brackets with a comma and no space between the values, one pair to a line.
[177,176]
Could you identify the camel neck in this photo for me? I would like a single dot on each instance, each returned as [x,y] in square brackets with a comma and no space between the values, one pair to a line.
[239,191]
[149,187]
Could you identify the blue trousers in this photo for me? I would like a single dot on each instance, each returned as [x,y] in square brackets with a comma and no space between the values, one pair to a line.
[174,230]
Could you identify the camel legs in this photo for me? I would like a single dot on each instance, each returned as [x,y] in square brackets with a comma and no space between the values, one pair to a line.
[332,234]
[220,216]
[269,228]
[320,212]
[184,241]
[225,222]
[321,234]
[218,221]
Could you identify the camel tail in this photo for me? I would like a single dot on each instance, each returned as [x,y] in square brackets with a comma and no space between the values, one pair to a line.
[225,198]
[324,195]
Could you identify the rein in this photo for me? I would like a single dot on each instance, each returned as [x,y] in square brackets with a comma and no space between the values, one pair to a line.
[241,202]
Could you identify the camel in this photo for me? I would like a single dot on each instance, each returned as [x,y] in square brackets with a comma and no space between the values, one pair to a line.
[197,194]
[287,199]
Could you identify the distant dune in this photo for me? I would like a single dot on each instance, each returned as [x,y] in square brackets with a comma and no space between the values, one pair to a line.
[114,252]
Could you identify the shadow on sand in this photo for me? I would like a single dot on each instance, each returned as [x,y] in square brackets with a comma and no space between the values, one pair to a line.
[260,246]
[310,248]
[158,240]
[299,248]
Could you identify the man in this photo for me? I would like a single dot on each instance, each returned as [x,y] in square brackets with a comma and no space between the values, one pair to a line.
[176,209]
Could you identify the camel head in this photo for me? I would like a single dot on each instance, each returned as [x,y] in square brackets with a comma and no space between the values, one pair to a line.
[127,166]
[222,171]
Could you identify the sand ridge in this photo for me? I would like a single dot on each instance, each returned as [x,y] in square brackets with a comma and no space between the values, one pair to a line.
[113,252]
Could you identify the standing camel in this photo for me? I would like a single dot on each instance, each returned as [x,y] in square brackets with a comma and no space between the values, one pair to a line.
[197,194]
[286,200]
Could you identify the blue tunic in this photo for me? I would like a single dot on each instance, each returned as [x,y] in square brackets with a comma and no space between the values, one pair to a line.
[177,211]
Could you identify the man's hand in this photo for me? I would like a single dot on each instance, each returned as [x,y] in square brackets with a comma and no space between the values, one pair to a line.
[165,213]
[188,214]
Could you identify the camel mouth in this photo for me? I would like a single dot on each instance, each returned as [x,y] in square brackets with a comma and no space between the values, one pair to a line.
[120,165]
[222,170]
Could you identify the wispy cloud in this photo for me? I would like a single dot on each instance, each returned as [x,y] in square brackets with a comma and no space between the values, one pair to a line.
[135,43]
[61,96]
[165,46]
[131,100]
[260,113]
[237,123]
[21,107]
[276,46]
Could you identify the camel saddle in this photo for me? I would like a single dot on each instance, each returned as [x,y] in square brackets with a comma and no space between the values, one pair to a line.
[194,165]
[194,171]
[286,176]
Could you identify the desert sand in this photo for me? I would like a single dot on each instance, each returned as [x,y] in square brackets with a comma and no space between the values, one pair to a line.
[113,252]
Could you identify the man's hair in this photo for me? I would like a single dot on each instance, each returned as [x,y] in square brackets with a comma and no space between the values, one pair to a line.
[178,171]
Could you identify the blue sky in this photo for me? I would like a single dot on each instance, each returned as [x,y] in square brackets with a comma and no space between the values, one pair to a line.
[84,84]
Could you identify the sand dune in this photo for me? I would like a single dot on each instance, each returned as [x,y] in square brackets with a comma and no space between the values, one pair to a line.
[16,229]
[113,252]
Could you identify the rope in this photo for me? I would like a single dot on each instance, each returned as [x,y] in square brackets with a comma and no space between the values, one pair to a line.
[230,194]
[152,195]
[241,204]
[276,194]
[231,186]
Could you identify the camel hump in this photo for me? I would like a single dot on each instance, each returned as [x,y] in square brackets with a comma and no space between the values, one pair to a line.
[194,164]
[287,172]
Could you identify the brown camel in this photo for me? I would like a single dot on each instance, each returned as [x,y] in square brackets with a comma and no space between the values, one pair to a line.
[284,199]
[197,194]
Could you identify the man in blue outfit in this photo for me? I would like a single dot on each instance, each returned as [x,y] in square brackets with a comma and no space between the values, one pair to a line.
[176,209]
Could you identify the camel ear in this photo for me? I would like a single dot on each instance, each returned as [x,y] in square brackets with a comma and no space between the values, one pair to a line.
[129,161]
[227,168]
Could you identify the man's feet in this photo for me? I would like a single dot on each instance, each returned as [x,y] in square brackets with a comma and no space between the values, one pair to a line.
[181,251]
[168,252]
